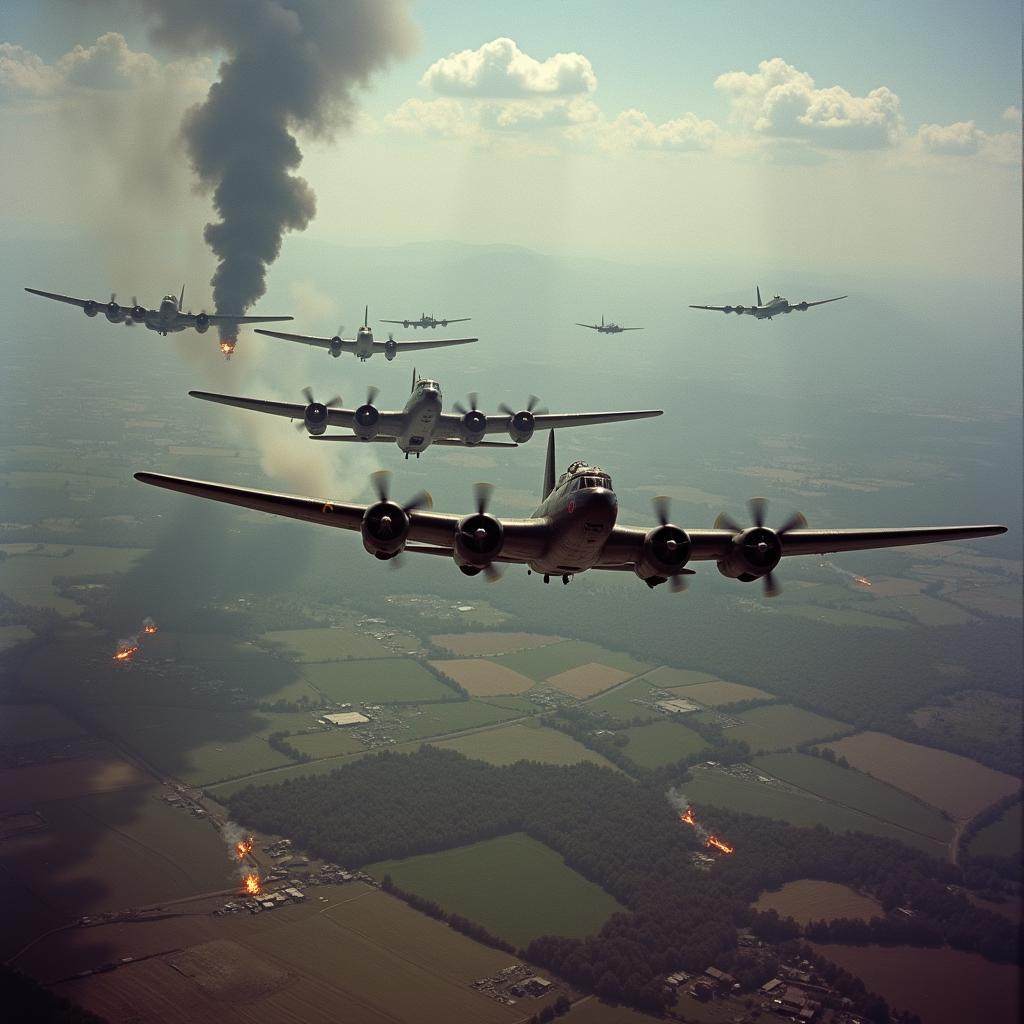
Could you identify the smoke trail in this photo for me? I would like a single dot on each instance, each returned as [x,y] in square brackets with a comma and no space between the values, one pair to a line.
[677,798]
[291,65]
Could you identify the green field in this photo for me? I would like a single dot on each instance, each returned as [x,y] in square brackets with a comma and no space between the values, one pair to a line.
[974,715]
[651,746]
[774,802]
[845,617]
[335,644]
[778,726]
[33,723]
[618,702]
[519,742]
[28,577]
[857,790]
[667,678]
[543,662]
[335,743]
[1003,837]
[452,716]
[376,681]
[929,611]
[202,746]
[514,886]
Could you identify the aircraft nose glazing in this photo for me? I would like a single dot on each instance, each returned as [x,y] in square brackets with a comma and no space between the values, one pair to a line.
[597,505]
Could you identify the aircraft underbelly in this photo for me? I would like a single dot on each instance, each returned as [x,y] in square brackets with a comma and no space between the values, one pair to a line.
[420,420]
[577,540]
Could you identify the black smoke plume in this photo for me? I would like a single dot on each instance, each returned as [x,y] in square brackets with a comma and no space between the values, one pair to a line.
[289,65]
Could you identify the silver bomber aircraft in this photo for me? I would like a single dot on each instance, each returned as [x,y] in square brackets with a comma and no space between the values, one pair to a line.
[573,529]
[169,318]
[609,328]
[429,320]
[775,306]
[362,346]
[421,422]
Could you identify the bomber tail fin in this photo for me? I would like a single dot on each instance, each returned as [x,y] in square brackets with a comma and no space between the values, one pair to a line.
[759,295]
[366,316]
[549,466]
[413,388]
[181,301]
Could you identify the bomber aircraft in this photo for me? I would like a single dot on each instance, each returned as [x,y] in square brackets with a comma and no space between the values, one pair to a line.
[421,422]
[169,318]
[429,320]
[573,529]
[774,307]
[609,328]
[362,346]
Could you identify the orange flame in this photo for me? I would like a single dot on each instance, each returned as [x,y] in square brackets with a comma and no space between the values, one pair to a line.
[251,885]
[718,844]
[227,346]
[244,847]
[688,816]
[125,653]
[150,629]
[862,581]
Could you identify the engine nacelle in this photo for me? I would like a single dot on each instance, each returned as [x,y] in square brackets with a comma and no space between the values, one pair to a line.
[444,323]
[802,306]
[114,313]
[754,553]
[478,542]
[739,309]
[315,418]
[390,349]
[665,552]
[727,309]
[138,314]
[202,323]
[90,308]
[385,529]
[521,427]
[474,426]
[367,422]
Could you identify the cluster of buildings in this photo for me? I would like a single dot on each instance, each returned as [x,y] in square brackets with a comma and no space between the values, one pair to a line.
[513,982]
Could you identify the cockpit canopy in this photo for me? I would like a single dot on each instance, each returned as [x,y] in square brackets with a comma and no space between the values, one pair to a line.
[424,384]
[580,475]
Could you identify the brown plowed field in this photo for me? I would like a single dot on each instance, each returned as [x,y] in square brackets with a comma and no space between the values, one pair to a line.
[811,900]
[471,645]
[57,780]
[586,680]
[720,691]
[482,678]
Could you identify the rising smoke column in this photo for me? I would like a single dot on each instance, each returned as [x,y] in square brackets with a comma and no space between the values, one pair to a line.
[289,65]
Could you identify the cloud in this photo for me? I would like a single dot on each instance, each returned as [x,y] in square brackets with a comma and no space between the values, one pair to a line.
[781,101]
[963,138]
[633,129]
[441,118]
[1012,114]
[499,69]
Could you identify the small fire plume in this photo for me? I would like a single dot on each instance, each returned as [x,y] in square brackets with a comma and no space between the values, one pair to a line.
[859,581]
[251,884]
[718,844]
[862,581]
[126,650]
[149,627]
[227,347]
[689,816]
[244,847]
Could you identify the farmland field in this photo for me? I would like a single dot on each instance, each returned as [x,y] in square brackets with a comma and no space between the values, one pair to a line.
[845,617]
[942,986]
[955,784]
[777,726]
[1003,837]
[481,677]
[32,723]
[518,742]
[38,783]
[929,611]
[333,644]
[451,716]
[28,575]
[715,692]
[974,714]
[667,678]
[543,662]
[470,645]
[651,746]
[774,802]
[398,967]
[327,744]
[514,886]
[587,680]
[854,789]
[618,703]
[811,900]
[377,681]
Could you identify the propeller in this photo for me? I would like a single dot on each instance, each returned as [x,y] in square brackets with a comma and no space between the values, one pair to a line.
[531,407]
[661,505]
[381,481]
[759,513]
[371,394]
[307,394]
[482,493]
[473,398]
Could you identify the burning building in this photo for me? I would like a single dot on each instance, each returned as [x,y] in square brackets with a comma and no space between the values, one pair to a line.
[126,650]
[251,884]
[244,847]
[149,627]
[715,843]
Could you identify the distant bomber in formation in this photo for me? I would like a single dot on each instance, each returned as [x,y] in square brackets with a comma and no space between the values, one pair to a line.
[168,319]
[429,320]
[363,346]
[421,422]
[573,529]
[609,328]
[776,305]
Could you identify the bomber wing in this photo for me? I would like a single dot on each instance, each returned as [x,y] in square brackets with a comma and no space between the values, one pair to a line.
[593,327]
[227,318]
[80,303]
[716,309]
[524,539]
[389,422]
[342,345]
[408,346]
[553,421]
[820,302]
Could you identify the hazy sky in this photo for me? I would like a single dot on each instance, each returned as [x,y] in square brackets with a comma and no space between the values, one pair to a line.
[856,136]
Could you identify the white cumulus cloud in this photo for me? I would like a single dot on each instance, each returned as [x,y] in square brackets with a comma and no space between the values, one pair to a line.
[960,139]
[500,69]
[633,129]
[781,101]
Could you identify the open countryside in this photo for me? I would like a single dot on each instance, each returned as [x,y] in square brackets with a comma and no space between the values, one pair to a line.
[811,900]
[480,677]
[777,726]
[514,886]
[470,645]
